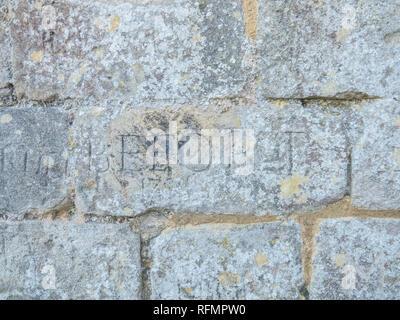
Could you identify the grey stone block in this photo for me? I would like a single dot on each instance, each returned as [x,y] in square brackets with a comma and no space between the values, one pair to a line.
[297,162]
[59,260]
[260,261]
[128,50]
[33,159]
[357,259]
[376,157]
[341,49]
[5,56]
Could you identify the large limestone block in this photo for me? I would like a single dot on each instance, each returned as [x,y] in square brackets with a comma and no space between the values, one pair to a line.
[260,261]
[274,158]
[329,48]
[33,159]
[376,157]
[59,260]
[357,259]
[127,50]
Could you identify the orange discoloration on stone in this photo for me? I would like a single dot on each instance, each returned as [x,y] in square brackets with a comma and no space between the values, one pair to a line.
[37,56]
[114,23]
[291,186]
[260,259]
[228,279]
[250,10]
[188,290]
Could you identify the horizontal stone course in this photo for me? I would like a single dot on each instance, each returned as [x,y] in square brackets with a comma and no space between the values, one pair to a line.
[296,162]
[335,49]
[356,259]
[261,261]
[59,260]
[128,50]
[34,159]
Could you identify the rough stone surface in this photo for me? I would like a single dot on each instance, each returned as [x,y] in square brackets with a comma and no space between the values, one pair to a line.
[59,260]
[151,50]
[33,159]
[203,126]
[357,259]
[376,157]
[342,49]
[5,58]
[227,262]
[299,161]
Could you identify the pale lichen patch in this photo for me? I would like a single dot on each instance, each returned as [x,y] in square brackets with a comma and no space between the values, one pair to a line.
[342,34]
[98,22]
[38,5]
[316,3]
[71,140]
[188,290]
[99,52]
[37,56]
[6,118]
[260,259]
[48,161]
[97,111]
[279,104]
[396,155]
[329,88]
[291,186]
[114,23]
[228,279]
[339,259]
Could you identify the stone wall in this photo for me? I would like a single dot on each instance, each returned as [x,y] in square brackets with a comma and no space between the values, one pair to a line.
[294,108]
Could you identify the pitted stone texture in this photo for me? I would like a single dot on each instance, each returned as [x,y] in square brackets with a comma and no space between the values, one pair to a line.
[58,260]
[376,157]
[33,159]
[128,50]
[5,57]
[357,259]
[341,49]
[299,161]
[227,262]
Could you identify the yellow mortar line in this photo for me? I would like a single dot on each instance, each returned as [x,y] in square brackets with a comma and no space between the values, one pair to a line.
[308,221]
[310,226]
[194,219]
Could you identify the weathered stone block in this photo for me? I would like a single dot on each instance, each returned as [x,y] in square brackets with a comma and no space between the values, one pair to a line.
[227,262]
[33,159]
[376,157]
[5,57]
[357,259]
[126,50]
[58,260]
[341,49]
[273,158]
